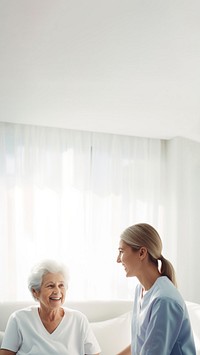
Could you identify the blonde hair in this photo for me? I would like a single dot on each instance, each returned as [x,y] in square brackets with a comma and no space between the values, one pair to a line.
[144,235]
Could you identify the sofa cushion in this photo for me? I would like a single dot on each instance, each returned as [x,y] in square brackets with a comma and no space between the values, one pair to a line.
[1,337]
[113,334]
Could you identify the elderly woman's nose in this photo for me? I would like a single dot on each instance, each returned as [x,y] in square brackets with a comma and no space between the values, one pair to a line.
[56,289]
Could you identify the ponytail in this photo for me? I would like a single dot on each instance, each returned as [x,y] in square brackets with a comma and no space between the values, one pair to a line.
[167,270]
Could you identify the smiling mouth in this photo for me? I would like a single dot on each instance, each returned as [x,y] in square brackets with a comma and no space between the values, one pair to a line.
[55,298]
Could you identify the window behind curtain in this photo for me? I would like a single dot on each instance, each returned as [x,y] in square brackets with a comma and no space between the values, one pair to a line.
[68,195]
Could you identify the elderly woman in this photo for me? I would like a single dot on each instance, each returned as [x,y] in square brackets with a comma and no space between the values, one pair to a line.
[50,328]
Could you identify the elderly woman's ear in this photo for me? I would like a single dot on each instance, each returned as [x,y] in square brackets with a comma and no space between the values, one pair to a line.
[34,293]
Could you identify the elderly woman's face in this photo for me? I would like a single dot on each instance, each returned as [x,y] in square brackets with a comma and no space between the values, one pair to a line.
[52,292]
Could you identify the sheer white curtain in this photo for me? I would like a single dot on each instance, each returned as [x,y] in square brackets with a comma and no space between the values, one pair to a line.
[68,195]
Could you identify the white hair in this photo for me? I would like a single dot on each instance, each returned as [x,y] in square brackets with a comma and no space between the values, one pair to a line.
[42,268]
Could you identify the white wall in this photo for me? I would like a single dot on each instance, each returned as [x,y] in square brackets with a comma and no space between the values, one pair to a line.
[183,181]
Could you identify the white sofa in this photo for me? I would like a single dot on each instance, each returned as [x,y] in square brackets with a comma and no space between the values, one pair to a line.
[110,321]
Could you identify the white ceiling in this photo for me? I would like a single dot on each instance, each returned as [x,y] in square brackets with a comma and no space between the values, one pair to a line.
[118,66]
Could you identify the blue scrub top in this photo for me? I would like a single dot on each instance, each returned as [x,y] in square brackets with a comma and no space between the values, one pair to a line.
[160,322]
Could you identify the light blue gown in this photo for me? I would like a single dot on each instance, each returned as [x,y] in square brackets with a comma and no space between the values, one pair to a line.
[160,322]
